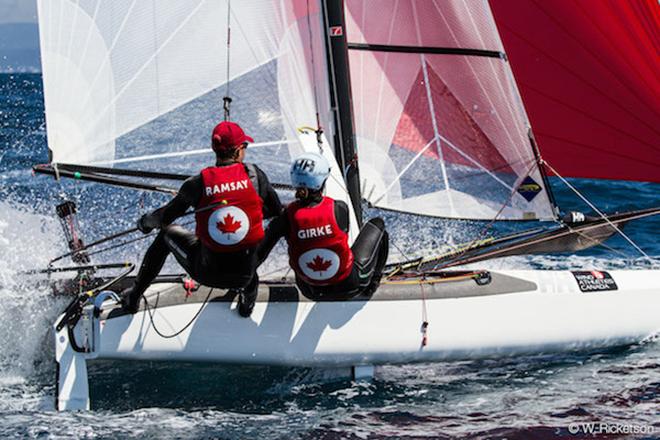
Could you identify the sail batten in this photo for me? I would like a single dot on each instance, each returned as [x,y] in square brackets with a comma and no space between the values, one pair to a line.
[426,50]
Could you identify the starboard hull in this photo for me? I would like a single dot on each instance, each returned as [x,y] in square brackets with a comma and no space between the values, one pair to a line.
[516,312]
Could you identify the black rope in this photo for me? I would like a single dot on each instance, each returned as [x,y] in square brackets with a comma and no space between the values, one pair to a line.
[126,232]
[226,100]
[123,243]
[92,244]
[73,311]
[91,267]
[173,335]
[319,130]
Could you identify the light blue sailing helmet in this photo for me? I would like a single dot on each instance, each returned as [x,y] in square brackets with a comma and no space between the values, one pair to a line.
[309,170]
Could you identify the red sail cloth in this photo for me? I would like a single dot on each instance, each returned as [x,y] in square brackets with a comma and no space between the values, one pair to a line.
[589,75]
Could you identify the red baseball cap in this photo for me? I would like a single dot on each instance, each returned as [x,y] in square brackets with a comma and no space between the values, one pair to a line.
[228,135]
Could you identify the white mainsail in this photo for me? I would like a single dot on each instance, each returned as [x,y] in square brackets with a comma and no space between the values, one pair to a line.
[140,83]
[111,67]
[441,134]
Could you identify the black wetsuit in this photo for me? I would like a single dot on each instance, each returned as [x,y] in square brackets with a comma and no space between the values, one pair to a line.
[370,252]
[223,270]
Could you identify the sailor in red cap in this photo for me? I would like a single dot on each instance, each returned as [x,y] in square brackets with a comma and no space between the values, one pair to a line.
[231,199]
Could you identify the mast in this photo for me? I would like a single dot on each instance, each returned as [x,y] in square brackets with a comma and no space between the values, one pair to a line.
[341,99]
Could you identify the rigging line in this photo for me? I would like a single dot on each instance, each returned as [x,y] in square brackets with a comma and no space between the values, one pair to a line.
[126,242]
[120,244]
[589,116]
[599,60]
[228,47]
[133,126]
[609,248]
[584,81]
[175,334]
[528,242]
[592,206]
[144,66]
[486,228]
[425,318]
[180,153]
[479,82]
[314,82]
[340,182]
[405,255]
[237,23]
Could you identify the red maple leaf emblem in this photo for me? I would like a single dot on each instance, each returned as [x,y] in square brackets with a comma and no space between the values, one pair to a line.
[318,264]
[228,225]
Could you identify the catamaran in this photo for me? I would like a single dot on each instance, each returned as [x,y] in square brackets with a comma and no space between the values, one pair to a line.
[414,104]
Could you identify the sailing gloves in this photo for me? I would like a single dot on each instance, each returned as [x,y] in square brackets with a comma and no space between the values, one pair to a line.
[147,223]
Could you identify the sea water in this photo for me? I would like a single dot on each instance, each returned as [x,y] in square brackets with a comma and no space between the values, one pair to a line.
[522,397]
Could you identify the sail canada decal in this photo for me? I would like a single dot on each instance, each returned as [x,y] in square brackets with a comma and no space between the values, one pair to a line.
[594,281]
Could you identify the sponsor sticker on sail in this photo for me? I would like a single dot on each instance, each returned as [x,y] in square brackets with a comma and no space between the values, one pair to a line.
[228,225]
[529,189]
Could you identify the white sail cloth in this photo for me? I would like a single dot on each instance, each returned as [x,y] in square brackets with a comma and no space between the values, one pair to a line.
[141,81]
[110,67]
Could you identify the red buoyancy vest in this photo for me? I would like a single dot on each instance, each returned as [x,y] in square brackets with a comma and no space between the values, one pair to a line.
[236,223]
[318,248]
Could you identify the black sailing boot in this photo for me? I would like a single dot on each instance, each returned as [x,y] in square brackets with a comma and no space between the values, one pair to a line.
[130,300]
[247,296]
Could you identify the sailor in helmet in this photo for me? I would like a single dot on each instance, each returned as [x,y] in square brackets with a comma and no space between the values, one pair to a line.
[316,230]
[231,200]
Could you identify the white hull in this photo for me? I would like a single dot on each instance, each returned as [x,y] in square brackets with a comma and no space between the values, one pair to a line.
[547,312]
